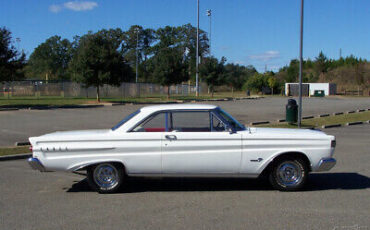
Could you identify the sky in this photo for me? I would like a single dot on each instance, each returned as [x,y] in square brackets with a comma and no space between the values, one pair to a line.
[263,33]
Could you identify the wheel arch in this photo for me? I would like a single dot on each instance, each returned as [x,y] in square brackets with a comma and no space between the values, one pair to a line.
[86,165]
[281,155]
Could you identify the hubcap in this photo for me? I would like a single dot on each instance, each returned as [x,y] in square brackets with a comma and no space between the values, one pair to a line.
[289,173]
[106,176]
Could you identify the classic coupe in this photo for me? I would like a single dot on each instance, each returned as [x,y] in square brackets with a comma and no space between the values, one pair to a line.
[185,140]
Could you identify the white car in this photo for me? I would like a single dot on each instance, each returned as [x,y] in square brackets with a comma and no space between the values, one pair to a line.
[185,140]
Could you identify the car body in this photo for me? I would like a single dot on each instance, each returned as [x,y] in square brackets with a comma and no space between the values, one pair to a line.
[185,140]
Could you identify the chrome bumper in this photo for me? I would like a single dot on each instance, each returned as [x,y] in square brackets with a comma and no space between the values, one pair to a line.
[326,164]
[36,164]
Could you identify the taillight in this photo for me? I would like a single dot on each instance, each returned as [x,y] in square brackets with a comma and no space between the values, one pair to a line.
[333,143]
[30,148]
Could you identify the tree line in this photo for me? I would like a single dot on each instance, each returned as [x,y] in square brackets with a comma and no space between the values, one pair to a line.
[165,56]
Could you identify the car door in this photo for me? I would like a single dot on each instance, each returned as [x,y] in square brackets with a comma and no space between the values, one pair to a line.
[194,145]
[143,151]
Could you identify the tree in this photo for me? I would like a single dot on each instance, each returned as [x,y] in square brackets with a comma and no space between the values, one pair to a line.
[237,75]
[99,61]
[11,60]
[168,67]
[272,83]
[213,72]
[51,59]
[140,39]
[321,64]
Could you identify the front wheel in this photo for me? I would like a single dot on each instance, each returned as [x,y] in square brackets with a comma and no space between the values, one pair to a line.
[105,177]
[289,174]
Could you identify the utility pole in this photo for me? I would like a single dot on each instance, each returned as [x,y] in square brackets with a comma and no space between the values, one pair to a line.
[197,53]
[137,53]
[209,14]
[300,68]
[340,53]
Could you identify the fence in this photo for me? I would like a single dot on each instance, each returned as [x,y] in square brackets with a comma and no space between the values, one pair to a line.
[77,90]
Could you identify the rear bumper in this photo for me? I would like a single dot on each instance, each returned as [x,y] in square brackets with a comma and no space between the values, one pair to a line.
[326,164]
[36,164]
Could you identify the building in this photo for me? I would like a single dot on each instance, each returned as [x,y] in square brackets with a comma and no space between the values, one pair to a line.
[308,89]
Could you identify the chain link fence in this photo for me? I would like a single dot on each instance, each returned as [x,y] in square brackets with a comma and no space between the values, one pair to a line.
[76,90]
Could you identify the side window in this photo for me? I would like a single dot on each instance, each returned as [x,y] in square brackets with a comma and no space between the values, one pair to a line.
[217,124]
[155,123]
[193,121]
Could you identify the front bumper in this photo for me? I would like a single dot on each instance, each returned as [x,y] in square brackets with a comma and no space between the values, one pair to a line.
[36,164]
[326,164]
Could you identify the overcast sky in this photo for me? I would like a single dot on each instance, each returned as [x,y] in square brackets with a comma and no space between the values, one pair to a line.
[258,32]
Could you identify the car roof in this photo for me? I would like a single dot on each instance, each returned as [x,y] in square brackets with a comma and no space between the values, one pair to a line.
[154,108]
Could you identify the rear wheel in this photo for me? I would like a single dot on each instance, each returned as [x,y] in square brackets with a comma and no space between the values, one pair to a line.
[289,174]
[105,177]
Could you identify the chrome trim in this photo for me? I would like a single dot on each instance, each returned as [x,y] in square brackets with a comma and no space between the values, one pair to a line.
[36,164]
[326,164]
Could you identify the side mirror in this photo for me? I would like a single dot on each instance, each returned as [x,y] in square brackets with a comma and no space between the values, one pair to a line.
[231,130]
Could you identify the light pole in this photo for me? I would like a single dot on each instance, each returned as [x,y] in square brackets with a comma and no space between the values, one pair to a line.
[300,68]
[137,54]
[209,14]
[197,57]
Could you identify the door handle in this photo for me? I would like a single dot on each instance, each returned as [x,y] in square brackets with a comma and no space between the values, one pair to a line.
[171,137]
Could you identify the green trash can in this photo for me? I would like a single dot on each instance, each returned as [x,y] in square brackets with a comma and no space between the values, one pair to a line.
[319,93]
[291,111]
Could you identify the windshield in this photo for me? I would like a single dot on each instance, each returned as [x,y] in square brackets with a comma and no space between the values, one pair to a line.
[127,118]
[232,121]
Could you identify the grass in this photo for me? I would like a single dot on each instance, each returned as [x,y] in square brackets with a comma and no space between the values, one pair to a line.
[19,102]
[320,121]
[14,150]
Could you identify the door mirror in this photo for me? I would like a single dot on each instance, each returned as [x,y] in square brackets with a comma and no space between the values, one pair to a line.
[231,130]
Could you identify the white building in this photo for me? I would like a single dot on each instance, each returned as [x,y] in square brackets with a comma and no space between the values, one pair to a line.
[308,89]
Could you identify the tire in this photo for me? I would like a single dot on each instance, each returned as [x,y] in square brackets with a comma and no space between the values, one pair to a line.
[289,174]
[105,177]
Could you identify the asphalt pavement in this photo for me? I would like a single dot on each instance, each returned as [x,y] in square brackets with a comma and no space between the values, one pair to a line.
[17,126]
[338,199]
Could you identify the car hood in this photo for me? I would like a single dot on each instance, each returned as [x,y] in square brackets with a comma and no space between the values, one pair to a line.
[289,133]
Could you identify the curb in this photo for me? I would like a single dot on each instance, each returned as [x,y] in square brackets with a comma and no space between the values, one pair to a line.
[15,157]
[352,111]
[8,109]
[307,117]
[22,143]
[331,126]
[324,115]
[259,122]
[340,113]
[354,123]
[360,110]
[281,120]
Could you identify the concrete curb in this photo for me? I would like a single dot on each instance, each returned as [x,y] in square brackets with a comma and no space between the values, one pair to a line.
[324,115]
[22,143]
[8,109]
[360,110]
[354,123]
[331,126]
[307,117]
[15,157]
[259,122]
[339,113]
[352,111]
[281,120]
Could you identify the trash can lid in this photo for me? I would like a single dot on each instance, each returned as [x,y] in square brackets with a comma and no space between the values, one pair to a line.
[292,102]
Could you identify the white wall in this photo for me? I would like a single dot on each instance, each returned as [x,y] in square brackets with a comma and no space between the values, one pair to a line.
[313,87]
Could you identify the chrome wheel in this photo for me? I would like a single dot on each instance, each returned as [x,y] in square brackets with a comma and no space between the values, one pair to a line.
[106,176]
[289,173]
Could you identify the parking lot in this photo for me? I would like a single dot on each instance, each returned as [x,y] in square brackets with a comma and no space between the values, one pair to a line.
[19,125]
[338,199]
